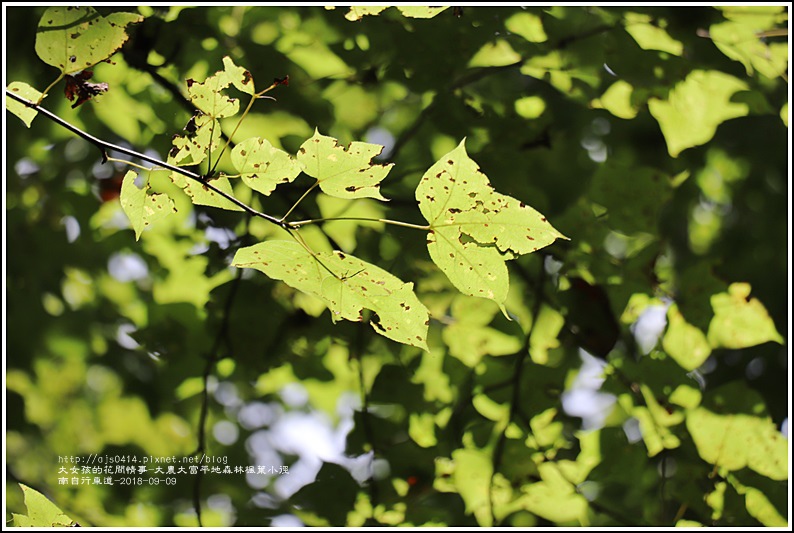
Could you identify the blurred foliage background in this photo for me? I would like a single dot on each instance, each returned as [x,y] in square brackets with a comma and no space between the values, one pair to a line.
[655,138]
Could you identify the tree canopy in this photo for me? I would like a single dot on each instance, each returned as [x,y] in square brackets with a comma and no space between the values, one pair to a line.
[380,266]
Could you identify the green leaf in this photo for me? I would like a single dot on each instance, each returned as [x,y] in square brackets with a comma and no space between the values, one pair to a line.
[262,166]
[736,441]
[354,286]
[554,498]
[239,77]
[203,136]
[497,53]
[343,173]
[26,114]
[739,39]
[473,229]
[141,207]
[417,12]
[685,343]
[740,321]
[650,36]
[359,12]
[617,100]
[76,38]
[41,511]
[200,194]
[528,26]
[695,107]
[472,479]
[546,328]
[207,95]
[420,12]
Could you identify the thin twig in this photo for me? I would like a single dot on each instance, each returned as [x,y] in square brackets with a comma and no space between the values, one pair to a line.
[105,146]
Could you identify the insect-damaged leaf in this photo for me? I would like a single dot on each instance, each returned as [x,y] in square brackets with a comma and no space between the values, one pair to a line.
[76,38]
[355,285]
[474,229]
[343,173]
[203,135]
[262,166]
[200,194]
[141,207]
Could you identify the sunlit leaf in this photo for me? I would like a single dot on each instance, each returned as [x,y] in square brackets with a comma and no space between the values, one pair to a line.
[142,207]
[343,173]
[25,113]
[528,26]
[238,76]
[76,38]
[262,166]
[685,343]
[740,321]
[650,36]
[41,511]
[695,107]
[200,194]
[346,284]
[736,441]
[473,229]
[617,100]
[495,54]
[209,98]
[472,479]
[203,135]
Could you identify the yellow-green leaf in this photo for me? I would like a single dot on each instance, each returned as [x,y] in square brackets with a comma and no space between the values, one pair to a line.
[262,166]
[343,173]
[200,194]
[740,321]
[474,229]
[41,511]
[76,38]
[685,343]
[26,114]
[736,441]
[346,284]
[695,107]
[141,207]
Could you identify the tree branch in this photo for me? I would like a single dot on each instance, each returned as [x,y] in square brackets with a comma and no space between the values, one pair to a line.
[105,146]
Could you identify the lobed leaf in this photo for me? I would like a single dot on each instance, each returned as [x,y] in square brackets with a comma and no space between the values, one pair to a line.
[695,107]
[141,207]
[209,98]
[262,166]
[76,38]
[238,76]
[473,229]
[346,284]
[41,511]
[343,173]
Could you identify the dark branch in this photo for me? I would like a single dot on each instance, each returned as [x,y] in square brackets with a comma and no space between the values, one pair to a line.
[105,146]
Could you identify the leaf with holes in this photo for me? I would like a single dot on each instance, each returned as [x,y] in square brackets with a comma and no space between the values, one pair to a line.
[263,167]
[209,98]
[343,173]
[238,76]
[200,194]
[473,229]
[141,207]
[76,38]
[346,284]
[203,135]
